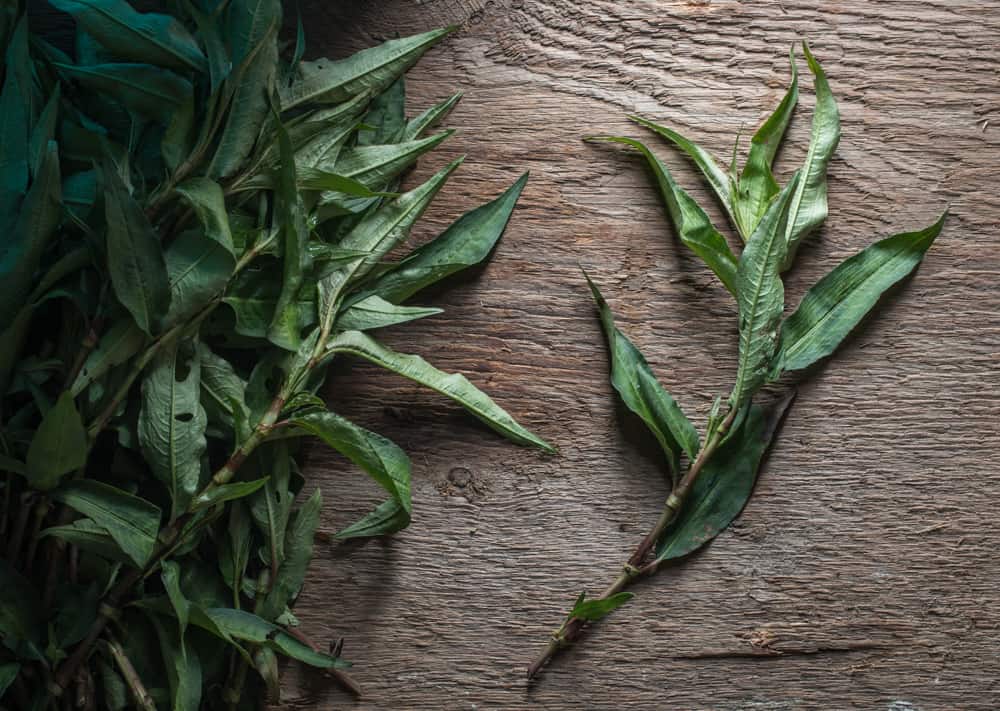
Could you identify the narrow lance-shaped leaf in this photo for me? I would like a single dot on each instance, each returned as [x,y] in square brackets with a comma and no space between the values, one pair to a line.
[198,270]
[376,312]
[376,165]
[252,29]
[148,91]
[718,179]
[172,423]
[140,37]
[725,484]
[237,624]
[690,222]
[380,458]
[285,327]
[89,536]
[298,553]
[467,241]
[388,517]
[21,252]
[761,297]
[642,393]
[808,208]
[206,198]
[131,521]
[757,185]
[182,665]
[135,260]
[427,119]
[59,445]
[371,69]
[453,385]
[839,301]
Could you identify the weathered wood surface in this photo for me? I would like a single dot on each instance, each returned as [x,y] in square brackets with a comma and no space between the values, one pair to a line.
[867,559]
[868,556]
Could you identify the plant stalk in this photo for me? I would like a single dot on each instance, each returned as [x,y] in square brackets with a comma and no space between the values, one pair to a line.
[636,566]
[142,698]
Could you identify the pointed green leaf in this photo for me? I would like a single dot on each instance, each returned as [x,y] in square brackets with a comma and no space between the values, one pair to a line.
[429,118]
[375,312]
[593,610]
[135,260]
[642,393]
[452,385]
[132,522]
[253,298]
[760,295]
[135,36]
[376,165]
[272,505]
[724,486]
[21,252]
[388,517]
[720,181]
[380,458]
[246,626]
[690,222]
[298,552]
[467,241]
[234,554]
[371,69]
[172,423]
[252,30]
[836,304]
[808,208]
[59,445]
[285,328]
[149,91]
[757,185]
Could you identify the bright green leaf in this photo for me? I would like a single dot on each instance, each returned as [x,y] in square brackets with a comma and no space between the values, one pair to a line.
[593,610]
[836,304]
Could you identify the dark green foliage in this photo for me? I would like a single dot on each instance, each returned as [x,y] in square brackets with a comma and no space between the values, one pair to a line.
[174,165]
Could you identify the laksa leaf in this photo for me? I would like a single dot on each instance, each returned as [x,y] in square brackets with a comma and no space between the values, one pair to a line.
[453,385]
[839,301]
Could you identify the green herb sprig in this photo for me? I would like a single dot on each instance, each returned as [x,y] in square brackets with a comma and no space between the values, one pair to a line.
[195,226]
[771,221]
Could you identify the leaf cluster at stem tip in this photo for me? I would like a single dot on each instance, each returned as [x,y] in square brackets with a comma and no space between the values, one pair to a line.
[196,224]
[770,220]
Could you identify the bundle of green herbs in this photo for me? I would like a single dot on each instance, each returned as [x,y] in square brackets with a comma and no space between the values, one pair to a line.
[195,224]
[771,221]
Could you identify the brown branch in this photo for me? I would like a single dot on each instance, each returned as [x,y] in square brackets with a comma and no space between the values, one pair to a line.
[142,698]
[636,566]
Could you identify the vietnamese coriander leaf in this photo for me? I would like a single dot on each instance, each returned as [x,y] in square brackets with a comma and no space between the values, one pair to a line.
[772,219]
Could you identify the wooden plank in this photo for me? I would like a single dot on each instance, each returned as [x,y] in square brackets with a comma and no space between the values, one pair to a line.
[863,574]
[868,555]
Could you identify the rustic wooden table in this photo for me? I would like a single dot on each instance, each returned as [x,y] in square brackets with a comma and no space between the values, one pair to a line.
[868,556]
[864,572]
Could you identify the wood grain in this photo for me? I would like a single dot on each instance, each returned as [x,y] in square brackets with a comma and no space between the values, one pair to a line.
[864,572]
